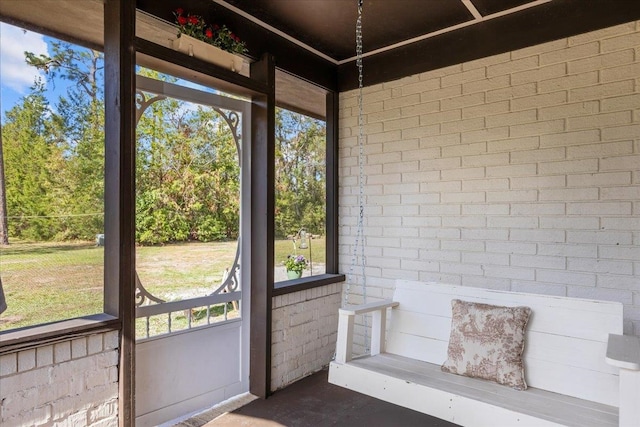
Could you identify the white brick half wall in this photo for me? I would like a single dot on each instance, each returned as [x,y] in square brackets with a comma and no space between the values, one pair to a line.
[519,172]
[304,329]
[70,383]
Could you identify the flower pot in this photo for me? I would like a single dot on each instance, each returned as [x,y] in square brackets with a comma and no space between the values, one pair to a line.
[206,52]
[294,274]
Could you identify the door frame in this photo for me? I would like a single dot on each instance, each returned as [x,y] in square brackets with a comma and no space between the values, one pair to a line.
[242,107]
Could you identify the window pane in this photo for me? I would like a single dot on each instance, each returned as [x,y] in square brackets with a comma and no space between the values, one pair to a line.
[300,195]
[53,150]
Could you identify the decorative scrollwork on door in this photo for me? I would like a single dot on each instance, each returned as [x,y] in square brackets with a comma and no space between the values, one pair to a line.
[231,278]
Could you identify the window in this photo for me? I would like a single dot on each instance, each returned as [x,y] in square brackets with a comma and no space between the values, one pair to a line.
[305,184]
[52,262]
[300,196]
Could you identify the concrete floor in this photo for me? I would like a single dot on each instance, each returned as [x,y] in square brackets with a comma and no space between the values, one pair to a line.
[314,402]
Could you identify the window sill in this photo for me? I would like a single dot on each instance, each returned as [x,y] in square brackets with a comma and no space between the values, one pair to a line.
[34,336]
[304,283]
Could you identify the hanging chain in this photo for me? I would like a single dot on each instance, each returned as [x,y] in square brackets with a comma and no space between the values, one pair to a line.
[354,257]
[359,241]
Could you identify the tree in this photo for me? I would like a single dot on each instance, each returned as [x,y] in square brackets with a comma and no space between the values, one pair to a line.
[29,135]
[300,174]
[4,228]
[79,194]
[187,175]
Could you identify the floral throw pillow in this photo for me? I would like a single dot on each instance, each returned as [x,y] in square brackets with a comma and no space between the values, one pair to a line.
[487,341]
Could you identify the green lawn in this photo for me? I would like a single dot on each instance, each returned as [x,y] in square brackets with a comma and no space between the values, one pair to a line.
[283,248]
[46,282]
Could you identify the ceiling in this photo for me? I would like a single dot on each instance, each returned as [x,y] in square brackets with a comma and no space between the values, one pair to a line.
[315,39]
[328,26]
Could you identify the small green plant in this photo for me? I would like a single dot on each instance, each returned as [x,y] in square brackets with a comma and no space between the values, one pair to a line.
[296,263]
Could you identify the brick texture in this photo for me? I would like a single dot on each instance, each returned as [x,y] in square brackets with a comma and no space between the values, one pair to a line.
[60,384]
[304,329]
[528,170]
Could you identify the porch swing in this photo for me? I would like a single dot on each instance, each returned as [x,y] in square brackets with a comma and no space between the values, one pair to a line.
[571,381]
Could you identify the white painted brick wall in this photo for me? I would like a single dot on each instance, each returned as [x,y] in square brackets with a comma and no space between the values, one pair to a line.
[304,330]
[72,383]
[519,171]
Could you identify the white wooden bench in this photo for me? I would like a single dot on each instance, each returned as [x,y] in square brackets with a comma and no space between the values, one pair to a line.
[567,362]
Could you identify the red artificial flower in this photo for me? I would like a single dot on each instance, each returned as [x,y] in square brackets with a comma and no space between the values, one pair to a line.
[182,20]
[179,11]
[193,19]
[209,33]
[216,27]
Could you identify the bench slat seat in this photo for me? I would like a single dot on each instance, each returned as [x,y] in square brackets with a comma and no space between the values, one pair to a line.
[423,387]
[580,370]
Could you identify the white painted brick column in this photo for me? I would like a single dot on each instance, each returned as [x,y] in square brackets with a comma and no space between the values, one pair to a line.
[304,330]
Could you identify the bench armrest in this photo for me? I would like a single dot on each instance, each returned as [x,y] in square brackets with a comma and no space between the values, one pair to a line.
[346,317]
[352,310]
[623,351]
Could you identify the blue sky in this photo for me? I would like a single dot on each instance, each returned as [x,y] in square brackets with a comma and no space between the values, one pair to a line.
[16,77]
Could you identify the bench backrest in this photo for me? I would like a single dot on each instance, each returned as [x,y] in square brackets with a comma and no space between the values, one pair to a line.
[565,343]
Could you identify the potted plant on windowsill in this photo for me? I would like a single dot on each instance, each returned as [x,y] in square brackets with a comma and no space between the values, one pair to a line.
[212,43]
[295,265]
